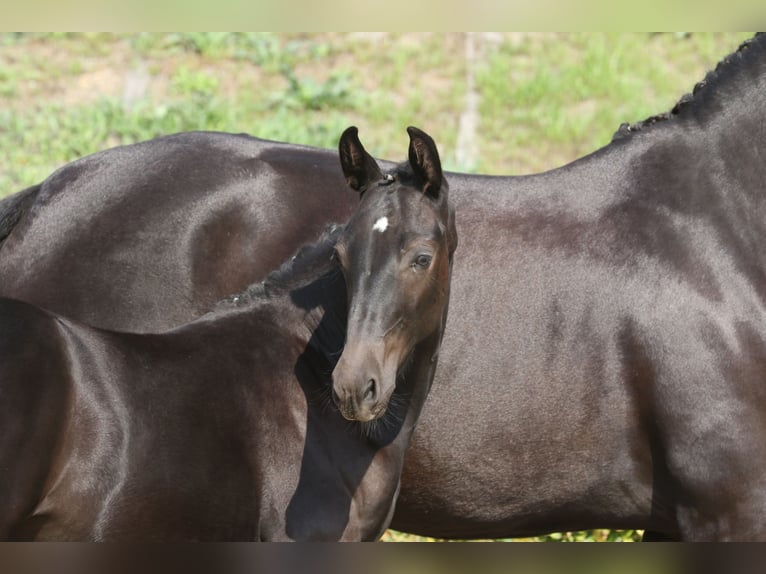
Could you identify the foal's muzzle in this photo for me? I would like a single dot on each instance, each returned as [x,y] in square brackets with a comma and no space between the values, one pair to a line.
[359,404]
[363,384]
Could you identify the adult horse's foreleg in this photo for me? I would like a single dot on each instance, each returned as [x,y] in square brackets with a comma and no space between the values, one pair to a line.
[718,469]
[703,404]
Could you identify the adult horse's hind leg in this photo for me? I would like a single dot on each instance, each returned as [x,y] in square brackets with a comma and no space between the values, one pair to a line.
[33,373]
[654,536]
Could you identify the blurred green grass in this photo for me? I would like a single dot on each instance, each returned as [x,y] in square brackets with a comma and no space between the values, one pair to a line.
[601,535]
[542,99]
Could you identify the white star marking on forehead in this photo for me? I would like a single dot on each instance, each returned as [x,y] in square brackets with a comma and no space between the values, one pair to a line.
[381,224]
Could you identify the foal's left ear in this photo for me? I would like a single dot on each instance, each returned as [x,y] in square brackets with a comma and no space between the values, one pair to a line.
[359,167]
[424,159]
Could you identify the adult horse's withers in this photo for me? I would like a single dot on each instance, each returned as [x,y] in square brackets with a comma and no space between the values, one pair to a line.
[603,362]
[223,429]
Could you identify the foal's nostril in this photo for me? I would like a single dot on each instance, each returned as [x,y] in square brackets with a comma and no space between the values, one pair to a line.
[335,398]
[370,392]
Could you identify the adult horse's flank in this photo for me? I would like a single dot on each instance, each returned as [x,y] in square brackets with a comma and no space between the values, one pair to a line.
[223,429]
[605,357]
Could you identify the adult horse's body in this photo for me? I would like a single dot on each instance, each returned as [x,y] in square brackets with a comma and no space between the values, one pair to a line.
[222,429]
[173,247]
[604,360]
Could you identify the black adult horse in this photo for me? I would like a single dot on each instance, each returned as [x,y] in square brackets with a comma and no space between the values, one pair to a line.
[604,361]
[222,429]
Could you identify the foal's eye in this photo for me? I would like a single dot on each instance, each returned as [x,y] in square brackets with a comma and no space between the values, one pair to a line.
[422,261]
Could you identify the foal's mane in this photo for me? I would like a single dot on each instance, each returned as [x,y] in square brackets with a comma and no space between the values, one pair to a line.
[704,89]
[311,261]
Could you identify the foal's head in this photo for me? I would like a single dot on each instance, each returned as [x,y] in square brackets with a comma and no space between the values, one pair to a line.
[395,254]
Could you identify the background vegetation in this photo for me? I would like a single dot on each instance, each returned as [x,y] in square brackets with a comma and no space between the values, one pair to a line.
[496,103]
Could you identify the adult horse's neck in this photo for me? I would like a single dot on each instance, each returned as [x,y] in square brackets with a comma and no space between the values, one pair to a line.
[703,160]
[736,85]
[717,134]
[706,161]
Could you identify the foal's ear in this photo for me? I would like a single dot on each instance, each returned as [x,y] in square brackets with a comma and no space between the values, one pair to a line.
[359,167]
[424,159]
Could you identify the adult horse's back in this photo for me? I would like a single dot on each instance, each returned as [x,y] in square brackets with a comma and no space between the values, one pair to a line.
[603,361]
[148,236]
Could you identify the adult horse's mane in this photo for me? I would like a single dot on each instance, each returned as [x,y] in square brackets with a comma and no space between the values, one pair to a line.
[706,89]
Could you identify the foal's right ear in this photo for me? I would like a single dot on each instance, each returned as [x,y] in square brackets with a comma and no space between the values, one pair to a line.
[425,162]
[359,167]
